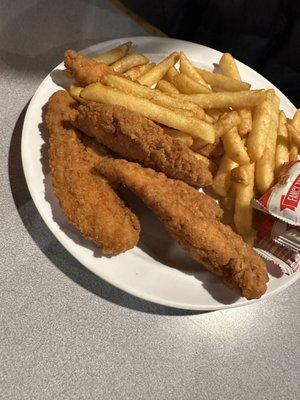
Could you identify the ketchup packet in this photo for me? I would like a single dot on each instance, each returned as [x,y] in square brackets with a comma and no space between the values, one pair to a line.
[278,242]
[283,199]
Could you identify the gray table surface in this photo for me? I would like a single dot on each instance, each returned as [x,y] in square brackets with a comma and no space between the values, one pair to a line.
[66,334]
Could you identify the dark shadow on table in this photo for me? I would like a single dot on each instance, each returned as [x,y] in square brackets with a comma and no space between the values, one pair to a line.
[60,257]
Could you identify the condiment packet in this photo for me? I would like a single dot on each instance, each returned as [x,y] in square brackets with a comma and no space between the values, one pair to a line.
[283,199]
[279,242]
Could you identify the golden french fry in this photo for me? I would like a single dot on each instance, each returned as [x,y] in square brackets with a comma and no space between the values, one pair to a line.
[226,99]
[75,91]
[282,146]
[226,122]
[265,166]
[166,87]
[221,182]
[239,175]
[187,68]
[215,113]
[179,136]
[154,95]
[228,202]
[208,150]
[245,126]
[194,126]
[129,61]
[187,85]
[244,195]
[234,147]
[257,138]
[207,117]
[113,55]
[228,66]
[160,69]
[135,72]
[294,148]
[295,135]
[170,74]
[223,82]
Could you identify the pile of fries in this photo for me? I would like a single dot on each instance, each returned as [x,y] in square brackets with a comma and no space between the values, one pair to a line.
[240,133]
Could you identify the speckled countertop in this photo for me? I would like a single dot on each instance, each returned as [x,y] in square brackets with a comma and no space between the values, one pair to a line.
[66,334]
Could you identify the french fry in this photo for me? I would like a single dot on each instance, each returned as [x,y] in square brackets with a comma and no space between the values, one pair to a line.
[75,91]
[166,87]
[228,66]
[293,147]
[244,195]
[282,146]
[194,126]
[226,122]
[170,74]
[221,182]
[215,113]
[223,82]
[228,202]
[187,68]
[160,69]
[113,55]
[179,136]
[129,61]
[135,72]
[265,166]
[239,175]
[187,85]
[234,147]
[295,135]
[208,150]
[245,126]
[256,141]
[154,95]
[226,99]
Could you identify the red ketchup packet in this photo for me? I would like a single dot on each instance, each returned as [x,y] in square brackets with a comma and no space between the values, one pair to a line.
[283,199]
[278,229]
[278,242]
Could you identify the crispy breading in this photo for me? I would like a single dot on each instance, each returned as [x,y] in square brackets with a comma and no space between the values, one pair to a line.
[85,70]
[191,218]
[136,138]
[88,201]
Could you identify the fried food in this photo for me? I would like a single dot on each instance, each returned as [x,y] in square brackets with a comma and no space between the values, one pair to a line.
[87,200]
[176,119]
[191,218]
[139,139]
[85,70]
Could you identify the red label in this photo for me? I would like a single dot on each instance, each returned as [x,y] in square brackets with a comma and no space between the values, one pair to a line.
[292,198]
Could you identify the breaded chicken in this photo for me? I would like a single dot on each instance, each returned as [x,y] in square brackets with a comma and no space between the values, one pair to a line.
[136,138]
[88,200]
[191,218]
[85,70]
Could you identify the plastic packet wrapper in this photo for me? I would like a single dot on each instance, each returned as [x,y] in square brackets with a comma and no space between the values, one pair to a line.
[283,199]
[278,242]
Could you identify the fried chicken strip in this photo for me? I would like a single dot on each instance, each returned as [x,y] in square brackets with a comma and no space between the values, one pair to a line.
[87,200]
[136,138]
[191,218]
[85,70]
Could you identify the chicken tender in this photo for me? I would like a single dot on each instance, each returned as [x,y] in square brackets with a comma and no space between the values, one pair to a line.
[85,70]
[191,218]
[136,138]
[88,200]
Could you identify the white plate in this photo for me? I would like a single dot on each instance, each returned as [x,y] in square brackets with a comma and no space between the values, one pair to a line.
[149,270]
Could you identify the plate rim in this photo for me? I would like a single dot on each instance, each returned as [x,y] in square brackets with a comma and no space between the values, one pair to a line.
[133,291]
